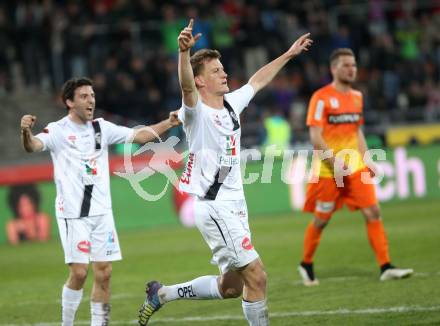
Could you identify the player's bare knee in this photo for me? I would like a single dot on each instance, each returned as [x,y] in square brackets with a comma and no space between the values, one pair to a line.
[372,213]
[103,273]
[320,223]
[78,275]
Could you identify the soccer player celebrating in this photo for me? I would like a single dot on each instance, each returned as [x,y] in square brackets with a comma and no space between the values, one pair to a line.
[210,119]
[335,119]
[79,149]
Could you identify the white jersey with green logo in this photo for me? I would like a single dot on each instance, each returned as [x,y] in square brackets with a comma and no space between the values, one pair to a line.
[81,167]
[213,167]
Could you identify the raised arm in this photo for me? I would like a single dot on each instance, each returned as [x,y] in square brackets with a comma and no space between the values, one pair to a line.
[149,133]
[265,74]
[186,77]
[29,142]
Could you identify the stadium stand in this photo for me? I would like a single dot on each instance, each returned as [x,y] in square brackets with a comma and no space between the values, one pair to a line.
[128,48]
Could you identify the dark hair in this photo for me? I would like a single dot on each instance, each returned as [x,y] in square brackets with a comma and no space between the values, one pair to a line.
[16,191]
[199,58]
[339,53]
[69,87]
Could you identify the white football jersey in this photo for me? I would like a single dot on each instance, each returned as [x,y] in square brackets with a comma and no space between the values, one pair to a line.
[81,168]
[213,167]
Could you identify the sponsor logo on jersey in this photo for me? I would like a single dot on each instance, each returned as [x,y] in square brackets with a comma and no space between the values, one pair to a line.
[71,138]
[111,237]
[334,103]
[98,138]
[241,214]
[186,292]
[233,115]
[91,168]
[319,109]
[231,145]
[60,205]
[84,246]
[217,120]
[186,175]
[246,244]
[110,243]
[226,160]
[344,118]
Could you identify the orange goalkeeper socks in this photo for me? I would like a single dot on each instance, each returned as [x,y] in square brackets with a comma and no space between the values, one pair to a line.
[311,242]
[378,241]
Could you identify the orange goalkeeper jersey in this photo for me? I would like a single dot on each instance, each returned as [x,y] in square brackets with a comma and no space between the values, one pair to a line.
[340,116]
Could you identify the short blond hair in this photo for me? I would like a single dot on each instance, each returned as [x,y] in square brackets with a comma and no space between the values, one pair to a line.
[339,53]
[198,59]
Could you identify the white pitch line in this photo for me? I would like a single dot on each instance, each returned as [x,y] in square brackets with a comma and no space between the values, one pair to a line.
[366,311]
[123,296]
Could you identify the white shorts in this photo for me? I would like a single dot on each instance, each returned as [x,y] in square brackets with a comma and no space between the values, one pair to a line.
[87,239]
[225,228]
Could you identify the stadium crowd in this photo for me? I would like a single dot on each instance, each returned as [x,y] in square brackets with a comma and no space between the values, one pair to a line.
[129,49]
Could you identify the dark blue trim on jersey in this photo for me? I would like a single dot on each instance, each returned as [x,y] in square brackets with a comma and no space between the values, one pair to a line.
[87,198]
[97,129]
[218,226]
[221,175]
[67,228]
[232,115]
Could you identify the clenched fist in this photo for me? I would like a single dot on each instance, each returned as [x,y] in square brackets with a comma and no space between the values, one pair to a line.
[174,118]
[28,122]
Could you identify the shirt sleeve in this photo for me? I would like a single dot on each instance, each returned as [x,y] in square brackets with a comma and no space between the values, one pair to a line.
[316,111]
[240,98]
[47,138]
[115,134]
[188,114]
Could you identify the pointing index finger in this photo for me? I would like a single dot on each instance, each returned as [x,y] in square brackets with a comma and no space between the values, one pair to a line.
[305,36]
[191,22]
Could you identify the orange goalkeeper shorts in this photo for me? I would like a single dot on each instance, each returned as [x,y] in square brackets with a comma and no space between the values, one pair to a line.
[325,197]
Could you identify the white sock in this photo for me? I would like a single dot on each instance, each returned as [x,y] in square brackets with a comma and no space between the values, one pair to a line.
[204,287]
[256,313]
[70,301]
[100,313]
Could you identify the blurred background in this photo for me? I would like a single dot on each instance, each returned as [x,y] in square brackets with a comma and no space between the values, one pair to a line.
[129,49]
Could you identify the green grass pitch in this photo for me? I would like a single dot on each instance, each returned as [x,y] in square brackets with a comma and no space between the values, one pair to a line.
[31,275]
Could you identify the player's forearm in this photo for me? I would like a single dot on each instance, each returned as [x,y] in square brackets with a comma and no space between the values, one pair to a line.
[28,141]
[186,78]
[320,145]
[150,133]
[362,143]
[265,74]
